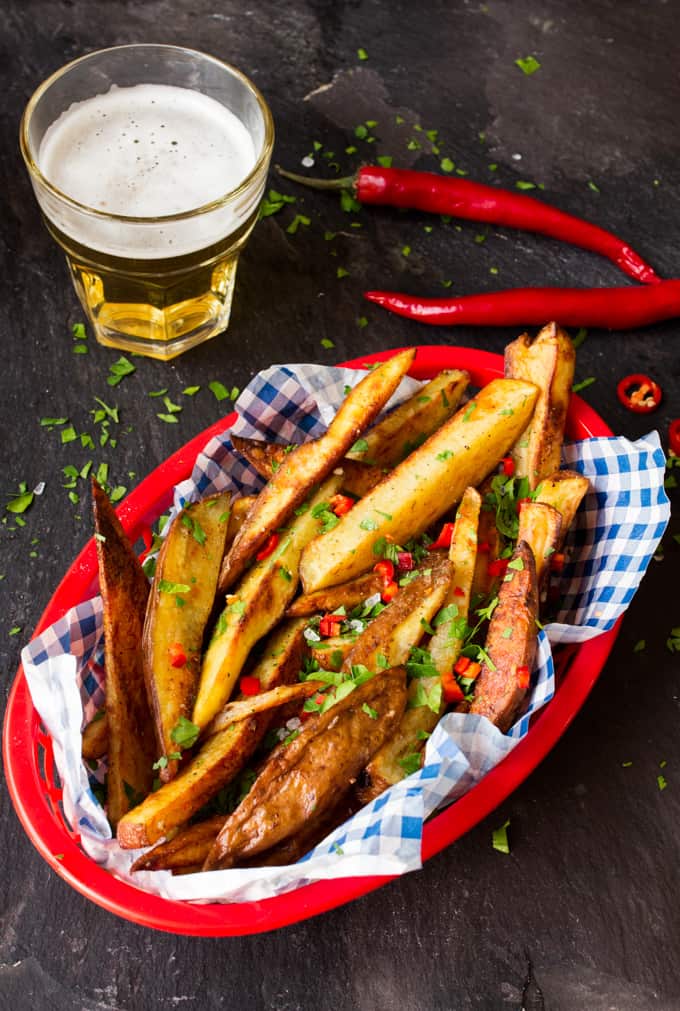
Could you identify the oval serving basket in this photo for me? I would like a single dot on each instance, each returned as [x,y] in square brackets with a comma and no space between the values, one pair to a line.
[29,761]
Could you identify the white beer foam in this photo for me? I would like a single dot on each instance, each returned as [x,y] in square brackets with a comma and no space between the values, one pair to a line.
[147,151]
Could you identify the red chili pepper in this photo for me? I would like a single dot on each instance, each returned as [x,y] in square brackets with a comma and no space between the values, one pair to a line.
[484,548]
[639,393]
[674,436]
[444,539]
[390,590]
[472,671]
[463,198]
[177,655]
[557,562]
[497,567]
[523,677]
[451,690]
[521,503]
[508,466]
[250,685]
[607,308]
[330,625]
[341,504]
[459,591]
[269,547]
[462,664]
[385,570]
[405,562]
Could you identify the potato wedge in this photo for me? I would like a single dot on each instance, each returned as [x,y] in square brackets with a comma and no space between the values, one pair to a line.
[310,463]
[330,654]
[548,362]
[267,457]
[257,605]
[445,647]
[96,737]
[414,421]
[489,547]
[540,526]
[239,510]
[308,774]
[180,604]
[124,589]
[510,643]
[241,709]
[388,639]
[424,707]
[563,490]
[187,849]
[221,757]
[345,595]
[422,488]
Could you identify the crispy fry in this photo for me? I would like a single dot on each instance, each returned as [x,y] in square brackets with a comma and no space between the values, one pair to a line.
[444,647]
[96,737]
[346,595]
[267,457]
[510,643]
[548,362]
[540,526]
[564,490]
[387,640]
[310,463]
[221,757]
[422,488]
[307,775]
[414,421]
[124,589]
[255,607]
[181,600]
[242,709]
[185,850]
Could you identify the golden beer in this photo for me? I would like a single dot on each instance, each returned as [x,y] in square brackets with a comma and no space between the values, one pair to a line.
[151,186]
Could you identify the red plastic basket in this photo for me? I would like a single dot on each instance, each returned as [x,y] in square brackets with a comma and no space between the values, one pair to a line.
[27,749]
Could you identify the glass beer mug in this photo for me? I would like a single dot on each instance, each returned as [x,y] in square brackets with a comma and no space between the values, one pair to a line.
[149,163]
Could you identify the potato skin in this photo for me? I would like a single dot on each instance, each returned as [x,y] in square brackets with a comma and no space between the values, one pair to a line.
[499,692]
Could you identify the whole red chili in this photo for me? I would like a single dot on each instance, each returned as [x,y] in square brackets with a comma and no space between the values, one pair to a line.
[463,198]
[607,308]
[639,393]
[674,436]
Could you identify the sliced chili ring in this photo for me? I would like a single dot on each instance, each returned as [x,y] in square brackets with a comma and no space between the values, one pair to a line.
[639,393]
[674,436]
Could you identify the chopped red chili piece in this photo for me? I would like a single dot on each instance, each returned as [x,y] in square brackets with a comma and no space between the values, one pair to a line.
[508,466]
[385,570]
[444,539]
[389,592]
[177,654]
[473,670]
[458,591]
[462,664]
[521,503]
[674,436]
[639,393]
[523,677]
[341,504]
[498,567]
[405,562]
[269,547]
[451,690]
[557,561]
[250,685]
[484,548]
[330,625]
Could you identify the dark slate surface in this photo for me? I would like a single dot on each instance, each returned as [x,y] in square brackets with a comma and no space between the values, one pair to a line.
[583,913]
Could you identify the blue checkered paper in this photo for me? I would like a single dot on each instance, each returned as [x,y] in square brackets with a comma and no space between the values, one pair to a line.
[615,534]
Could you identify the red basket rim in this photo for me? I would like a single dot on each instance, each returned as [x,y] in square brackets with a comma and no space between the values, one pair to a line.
[141,507]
